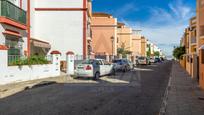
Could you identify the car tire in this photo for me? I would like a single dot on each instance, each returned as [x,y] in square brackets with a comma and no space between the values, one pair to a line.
[96,76]
[125,69]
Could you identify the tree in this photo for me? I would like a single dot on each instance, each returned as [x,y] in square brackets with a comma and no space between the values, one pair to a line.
[178,52]
[157,53]
[149,50]
[123,51]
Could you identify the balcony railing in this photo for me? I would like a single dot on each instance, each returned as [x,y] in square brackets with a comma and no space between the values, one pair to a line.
[193,40]
[11,11]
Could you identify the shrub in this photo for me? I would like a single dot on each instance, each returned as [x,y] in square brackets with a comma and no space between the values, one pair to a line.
[33,60]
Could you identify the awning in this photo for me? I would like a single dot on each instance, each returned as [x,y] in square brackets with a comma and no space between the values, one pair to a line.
[12,33]
[202,47]
[40,43]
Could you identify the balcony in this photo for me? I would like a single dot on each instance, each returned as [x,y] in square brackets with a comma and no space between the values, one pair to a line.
[11,11]
[193,41]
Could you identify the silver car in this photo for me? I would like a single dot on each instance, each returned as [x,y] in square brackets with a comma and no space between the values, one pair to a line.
[94,68]
[122,65]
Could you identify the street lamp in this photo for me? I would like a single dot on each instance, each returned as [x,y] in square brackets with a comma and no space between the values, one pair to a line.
[112,39]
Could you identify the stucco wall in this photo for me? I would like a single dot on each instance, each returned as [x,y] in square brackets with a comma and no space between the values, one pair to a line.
[125,36]
[63,29]
[102,31]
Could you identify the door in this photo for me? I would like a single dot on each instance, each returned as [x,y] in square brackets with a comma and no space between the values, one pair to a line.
[102,68]
[108,67]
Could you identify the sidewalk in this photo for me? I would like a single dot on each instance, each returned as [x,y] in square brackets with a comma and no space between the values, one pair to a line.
[10,89]
[183,97]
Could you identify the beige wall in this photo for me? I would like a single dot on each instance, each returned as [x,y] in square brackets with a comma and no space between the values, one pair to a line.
[200,37]
[136,43]
[125,37]
[103,28]
[143,46]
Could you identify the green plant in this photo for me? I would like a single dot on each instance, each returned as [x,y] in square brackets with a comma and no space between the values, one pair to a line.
[33,60]
[178,52]
[156,53]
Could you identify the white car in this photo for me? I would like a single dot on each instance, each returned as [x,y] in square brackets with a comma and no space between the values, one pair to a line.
[94,68]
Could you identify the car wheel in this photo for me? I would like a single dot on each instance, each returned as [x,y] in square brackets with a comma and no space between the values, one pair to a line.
[125,69]
[96,76]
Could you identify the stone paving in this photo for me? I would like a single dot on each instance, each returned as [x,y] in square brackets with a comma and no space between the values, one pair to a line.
[183,94]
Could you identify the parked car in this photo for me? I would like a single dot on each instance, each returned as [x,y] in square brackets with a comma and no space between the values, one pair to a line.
[157,60]
[122,65]
[152,60]
[131,64]
[143,61]
[94,68]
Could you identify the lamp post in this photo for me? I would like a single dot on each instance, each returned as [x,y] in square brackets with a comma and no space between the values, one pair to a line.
[112,39]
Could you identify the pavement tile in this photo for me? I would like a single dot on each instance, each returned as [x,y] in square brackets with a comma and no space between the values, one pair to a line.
[183,94]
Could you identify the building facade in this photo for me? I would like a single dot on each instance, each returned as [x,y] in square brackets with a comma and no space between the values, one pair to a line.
[136,43]
[143,46]
[200,38]
[104,33]
[124,34]
[13,28]
[62,26]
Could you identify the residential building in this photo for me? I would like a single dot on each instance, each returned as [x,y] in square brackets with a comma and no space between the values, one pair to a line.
[200,38]
[124,37]
[193,58]
[136,43]
[187,55]
[143,46]
[104,33]
[13,28]
[62,26]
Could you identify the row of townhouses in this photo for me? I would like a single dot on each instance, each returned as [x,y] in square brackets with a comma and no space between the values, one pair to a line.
[43,27]
[193,41]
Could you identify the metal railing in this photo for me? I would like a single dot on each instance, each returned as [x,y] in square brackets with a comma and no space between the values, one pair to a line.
[13,58]
[193,40]
[12,11]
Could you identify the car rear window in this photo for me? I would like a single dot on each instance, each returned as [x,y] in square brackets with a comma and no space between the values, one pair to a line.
[87,62]
[117,61]
[141,58]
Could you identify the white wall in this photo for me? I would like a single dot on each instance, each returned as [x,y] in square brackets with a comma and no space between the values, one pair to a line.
[13,74]
[59,4]
[63,30]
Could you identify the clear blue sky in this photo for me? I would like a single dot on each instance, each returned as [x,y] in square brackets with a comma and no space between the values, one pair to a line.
[162,21]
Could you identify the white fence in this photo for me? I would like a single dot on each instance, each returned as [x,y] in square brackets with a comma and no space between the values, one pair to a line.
[13,74]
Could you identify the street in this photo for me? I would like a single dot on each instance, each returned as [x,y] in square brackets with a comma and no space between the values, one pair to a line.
[138,92]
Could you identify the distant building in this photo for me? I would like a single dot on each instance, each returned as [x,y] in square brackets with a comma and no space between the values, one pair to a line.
[143,46]
[136,43]
[104,33]
[124,37]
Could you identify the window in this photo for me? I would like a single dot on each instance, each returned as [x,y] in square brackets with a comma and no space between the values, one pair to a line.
[15,47]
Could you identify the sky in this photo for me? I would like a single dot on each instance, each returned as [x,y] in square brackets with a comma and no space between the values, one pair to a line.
[161,21]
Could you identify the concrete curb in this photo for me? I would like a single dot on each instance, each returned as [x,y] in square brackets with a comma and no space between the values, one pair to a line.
[165,98]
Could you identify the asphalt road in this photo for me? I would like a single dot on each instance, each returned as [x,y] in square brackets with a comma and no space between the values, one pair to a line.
[138,92]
